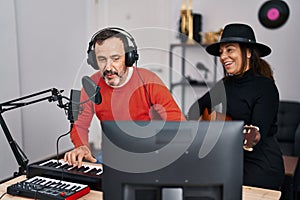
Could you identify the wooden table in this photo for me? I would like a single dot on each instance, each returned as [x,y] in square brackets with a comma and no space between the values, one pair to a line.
[249,193]
[254,193]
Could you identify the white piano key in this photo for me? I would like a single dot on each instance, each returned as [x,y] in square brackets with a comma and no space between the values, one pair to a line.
[91,167]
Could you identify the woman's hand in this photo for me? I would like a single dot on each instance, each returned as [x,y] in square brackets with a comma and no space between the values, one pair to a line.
[251,137]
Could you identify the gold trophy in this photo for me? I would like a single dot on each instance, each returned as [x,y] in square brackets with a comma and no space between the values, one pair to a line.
[187,21]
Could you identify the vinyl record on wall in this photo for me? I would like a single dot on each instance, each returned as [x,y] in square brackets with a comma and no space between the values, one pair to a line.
[273,13]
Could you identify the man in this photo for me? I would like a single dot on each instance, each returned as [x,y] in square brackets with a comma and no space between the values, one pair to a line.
[128,93]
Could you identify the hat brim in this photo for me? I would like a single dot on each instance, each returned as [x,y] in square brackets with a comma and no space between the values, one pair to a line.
[263,50]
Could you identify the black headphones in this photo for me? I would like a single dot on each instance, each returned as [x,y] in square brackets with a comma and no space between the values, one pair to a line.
[131,55]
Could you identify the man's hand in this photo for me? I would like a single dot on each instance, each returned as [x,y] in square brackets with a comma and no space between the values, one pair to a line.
[75,156]
[251,137]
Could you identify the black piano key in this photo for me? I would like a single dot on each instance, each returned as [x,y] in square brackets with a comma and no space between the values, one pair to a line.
[96,171]
[81,169]
[64,166]
[56,165]
[77,188]
[73,187]
[31,188]
[34,181]
[51,164]
[48,183]
[65,186]
[99,172]
[92,171]
[39,181]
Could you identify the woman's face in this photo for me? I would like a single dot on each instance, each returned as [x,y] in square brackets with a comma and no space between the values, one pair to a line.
[231,58]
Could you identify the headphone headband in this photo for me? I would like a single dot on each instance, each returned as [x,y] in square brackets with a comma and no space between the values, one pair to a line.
[120,30]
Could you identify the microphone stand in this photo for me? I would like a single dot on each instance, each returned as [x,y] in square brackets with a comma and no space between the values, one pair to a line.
[13,104]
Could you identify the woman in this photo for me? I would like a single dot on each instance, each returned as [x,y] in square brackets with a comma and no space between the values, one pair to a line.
[247,92]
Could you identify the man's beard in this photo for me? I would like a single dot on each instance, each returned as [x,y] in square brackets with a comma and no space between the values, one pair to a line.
[116,80]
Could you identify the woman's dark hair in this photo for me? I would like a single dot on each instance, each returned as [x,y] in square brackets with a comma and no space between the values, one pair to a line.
[260,66]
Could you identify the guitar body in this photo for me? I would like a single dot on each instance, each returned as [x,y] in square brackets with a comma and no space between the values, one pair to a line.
[213,116]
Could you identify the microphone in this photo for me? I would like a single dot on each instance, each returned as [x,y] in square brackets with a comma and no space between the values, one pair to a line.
[74,105]
[92,90]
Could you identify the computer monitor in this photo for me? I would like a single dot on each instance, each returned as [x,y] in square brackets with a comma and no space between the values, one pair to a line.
[159,160]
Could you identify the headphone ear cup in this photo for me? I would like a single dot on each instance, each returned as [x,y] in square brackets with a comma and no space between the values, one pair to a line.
[91,60]
[131,56]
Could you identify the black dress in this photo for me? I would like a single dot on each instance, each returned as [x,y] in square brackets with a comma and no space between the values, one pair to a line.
[253,99]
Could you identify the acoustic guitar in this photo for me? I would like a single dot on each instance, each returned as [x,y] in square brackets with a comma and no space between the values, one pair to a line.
[251,133]
[214,116]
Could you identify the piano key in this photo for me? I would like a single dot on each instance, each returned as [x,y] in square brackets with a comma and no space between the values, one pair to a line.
[47,188]
[89,173]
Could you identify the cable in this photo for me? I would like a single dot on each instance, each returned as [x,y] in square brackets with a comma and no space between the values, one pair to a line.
[57,141]
[57,149]
[3,195]
[144,85]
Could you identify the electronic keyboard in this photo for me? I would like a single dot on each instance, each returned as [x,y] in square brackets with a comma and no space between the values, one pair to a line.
[89,174]
[48,189]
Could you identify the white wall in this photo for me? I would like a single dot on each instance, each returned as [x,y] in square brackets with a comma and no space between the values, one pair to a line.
[9,87]
[52,36]
[43,45]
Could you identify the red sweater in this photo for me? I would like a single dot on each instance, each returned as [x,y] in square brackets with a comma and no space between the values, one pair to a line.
[129,102]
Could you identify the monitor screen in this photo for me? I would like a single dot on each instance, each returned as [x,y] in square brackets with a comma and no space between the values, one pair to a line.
[159,160]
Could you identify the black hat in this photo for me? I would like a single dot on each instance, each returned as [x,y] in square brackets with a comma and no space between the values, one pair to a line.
[238,33]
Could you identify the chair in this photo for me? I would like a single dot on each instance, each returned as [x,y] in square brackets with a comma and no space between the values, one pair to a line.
[288,136]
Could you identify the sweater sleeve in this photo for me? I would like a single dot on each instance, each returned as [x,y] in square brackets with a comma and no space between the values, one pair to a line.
[264,113]
[165,105]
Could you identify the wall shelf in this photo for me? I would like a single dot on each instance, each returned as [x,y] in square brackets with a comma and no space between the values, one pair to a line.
[184,80]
